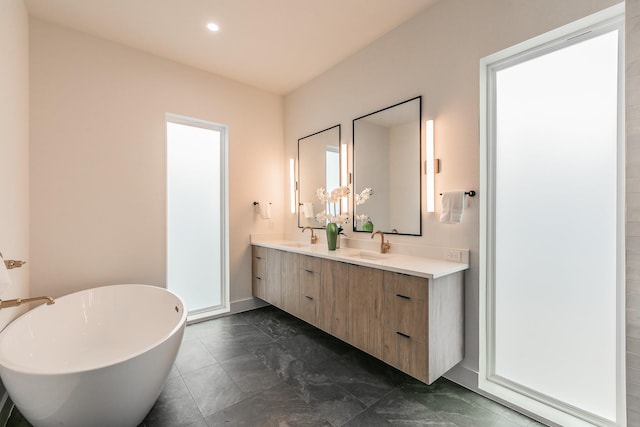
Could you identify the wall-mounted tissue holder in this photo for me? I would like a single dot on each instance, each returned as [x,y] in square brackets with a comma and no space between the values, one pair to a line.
[12,263]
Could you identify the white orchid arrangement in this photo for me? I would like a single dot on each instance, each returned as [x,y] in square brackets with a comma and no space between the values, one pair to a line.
[362,218]
[360,198]
[331,200]
[363,196]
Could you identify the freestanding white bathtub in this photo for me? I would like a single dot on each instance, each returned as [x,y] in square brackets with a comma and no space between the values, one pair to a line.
[98,357]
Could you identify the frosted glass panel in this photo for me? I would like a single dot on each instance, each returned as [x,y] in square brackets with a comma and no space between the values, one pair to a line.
[555,247]
[193,215]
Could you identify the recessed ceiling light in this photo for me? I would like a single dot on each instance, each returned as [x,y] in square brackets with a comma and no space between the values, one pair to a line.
[212,27]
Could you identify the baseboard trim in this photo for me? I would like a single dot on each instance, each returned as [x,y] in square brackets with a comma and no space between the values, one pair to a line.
[234,308]
[246,305]
[468,378]
[463,376]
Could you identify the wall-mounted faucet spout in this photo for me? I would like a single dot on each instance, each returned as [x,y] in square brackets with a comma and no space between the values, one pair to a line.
[18,301]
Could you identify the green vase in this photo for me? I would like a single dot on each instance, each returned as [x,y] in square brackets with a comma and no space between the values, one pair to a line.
[332,235]
[367,226]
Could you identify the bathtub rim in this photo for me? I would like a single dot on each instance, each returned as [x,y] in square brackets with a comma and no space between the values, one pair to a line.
[181,324]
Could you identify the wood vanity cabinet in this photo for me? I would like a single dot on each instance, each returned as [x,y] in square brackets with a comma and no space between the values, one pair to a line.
[259,271]
[405,330]
[275,278]
[423,333]
[310,280]
[412,323]
[273,284]
[365,309]
[333,312]
[289,280]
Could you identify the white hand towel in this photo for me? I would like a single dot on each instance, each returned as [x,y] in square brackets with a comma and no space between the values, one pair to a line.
[265,210]
[452,207]
[4,277]
[307,208]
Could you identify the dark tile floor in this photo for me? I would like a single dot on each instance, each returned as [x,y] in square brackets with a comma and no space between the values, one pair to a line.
[267,368]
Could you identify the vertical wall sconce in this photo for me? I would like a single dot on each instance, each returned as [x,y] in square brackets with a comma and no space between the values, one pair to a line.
[429,168]
[292,185]
[343,176]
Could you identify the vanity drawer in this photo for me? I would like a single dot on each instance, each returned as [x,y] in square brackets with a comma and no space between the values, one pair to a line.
[411,287]
[310,263]
[310,276]
[406,353]
[310,282]
[406,315]
[309,308]
[259,260]
[259,271]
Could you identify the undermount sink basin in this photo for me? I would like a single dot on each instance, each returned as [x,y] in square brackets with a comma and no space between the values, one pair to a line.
[369,256]
[295,244]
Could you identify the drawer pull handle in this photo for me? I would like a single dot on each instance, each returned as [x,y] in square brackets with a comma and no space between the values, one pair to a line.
[308,297]
[258,257]
[403,296]
[258,277]
[403,335]
[308,271]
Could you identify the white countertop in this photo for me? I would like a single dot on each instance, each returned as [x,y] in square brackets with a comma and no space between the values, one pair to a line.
[399,263]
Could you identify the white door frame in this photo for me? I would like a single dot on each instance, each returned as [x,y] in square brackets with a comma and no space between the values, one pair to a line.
[546,408]
[224,307]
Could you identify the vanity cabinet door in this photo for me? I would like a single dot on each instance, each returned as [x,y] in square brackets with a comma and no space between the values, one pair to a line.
[406,323]
[310,281]
[273,287]
[259,271]
[365,309]
[290,282]
[333,311]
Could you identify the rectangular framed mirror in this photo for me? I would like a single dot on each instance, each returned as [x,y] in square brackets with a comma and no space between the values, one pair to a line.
[318,167]
[387,182]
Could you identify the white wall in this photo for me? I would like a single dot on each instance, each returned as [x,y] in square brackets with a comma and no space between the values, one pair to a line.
[435,55]
[14,148]
[97,165]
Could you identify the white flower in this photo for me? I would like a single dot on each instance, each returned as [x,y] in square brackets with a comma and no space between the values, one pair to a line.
[340,219]
[362,218]
[363,196]
[322,195]
[339,193]
[322,217]
[333,198]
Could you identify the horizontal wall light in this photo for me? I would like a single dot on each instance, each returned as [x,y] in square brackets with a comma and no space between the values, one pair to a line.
[292,185]
[430,166]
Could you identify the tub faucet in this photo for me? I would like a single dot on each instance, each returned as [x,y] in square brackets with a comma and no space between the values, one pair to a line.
[314,238]
[384,246]
[18,301]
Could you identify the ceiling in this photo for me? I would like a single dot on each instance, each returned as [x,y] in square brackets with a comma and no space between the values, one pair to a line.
[276,45]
